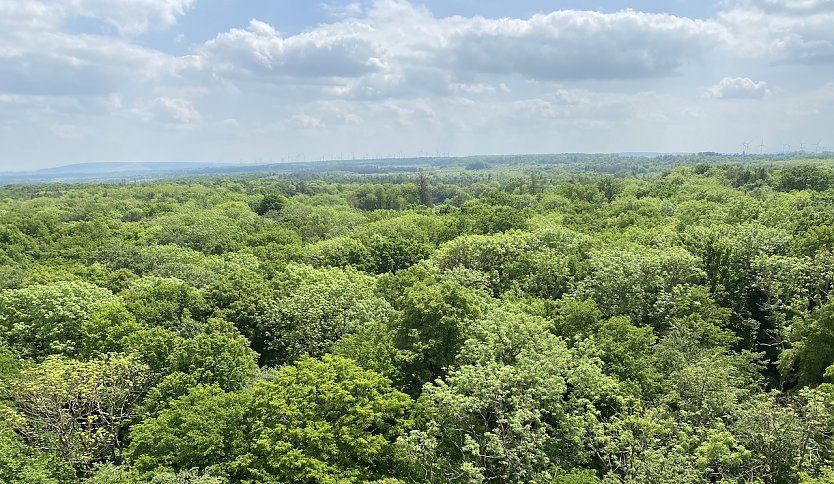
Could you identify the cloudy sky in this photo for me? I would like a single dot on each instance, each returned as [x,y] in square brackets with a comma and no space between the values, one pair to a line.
[271,80]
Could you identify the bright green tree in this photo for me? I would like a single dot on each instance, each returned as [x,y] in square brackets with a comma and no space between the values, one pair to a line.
[517,403]
[42,320]
[315,421]
[315,308]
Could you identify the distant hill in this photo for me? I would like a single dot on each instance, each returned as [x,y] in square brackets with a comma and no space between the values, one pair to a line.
[115,171]
[122,167]
[109,171]
[608,163]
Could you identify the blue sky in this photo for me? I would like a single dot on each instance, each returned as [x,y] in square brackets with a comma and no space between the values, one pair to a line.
[205,19]
[276,80]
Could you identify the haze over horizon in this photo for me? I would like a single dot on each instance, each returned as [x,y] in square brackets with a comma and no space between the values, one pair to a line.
[245,81]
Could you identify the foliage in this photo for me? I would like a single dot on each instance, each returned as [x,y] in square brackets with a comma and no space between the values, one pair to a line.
[430,330]
[543,318]
[314,308]
[316,421]
[515,404]
[271,202]
[42,320]
[165,302]
[812,353]
[77,409]
[20,464]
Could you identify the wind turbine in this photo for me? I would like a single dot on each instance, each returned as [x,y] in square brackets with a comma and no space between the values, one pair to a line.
[744,147]
[802,147]
[817,146]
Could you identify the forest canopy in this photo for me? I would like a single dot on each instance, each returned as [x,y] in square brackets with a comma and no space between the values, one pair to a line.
[499,321]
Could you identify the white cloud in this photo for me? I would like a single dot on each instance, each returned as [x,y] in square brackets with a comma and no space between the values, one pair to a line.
[782,31]
[167,110]
[127,16]
[54,63]
[261,51]
[177,109]
[397,49]
[38,57]
[738,88]
[11,99]
[567,45]
[354,9]
[305,121]
[389,75]
[477,88]
[796,7]
[582,104]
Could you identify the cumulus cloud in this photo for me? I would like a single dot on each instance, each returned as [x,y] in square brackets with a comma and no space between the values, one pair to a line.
[60,64]
[796,7]
[781,31]
[167,110]
[477,88]
[260,50]
[178,109]
[393,67]
[396,48]
[127,16]
[738,88]
[569,45]
[582,104]
[38,57]
[343,11]
[393,46]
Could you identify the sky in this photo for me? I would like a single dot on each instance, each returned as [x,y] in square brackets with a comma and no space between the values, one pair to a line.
[259,81]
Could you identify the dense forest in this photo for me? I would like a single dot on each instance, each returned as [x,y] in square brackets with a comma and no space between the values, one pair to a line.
[491,322]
